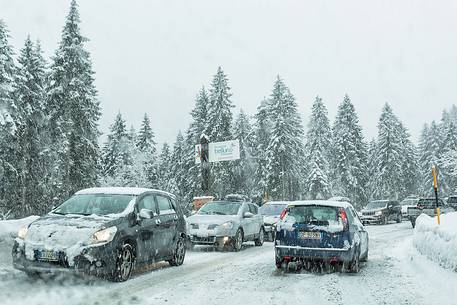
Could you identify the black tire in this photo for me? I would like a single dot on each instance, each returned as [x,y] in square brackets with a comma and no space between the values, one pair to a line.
[125,262]
[413,223]
[237,241]
[399,218]
[259,241]
[385,220]
[364,258]
[355,264]
[179,253]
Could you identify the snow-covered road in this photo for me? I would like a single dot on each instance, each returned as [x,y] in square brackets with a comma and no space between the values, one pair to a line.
[394,274]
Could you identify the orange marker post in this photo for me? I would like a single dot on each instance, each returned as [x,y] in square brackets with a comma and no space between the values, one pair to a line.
[435,187]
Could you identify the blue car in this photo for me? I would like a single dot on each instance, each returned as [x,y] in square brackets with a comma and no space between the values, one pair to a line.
[321,231]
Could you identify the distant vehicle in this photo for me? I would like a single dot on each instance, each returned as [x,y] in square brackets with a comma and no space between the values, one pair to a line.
[427,206]
[408,202]
[452,202]
[104,232]
[271,211]
[381,212]
[340,198]
[236,197]
[226,224]
[321,231]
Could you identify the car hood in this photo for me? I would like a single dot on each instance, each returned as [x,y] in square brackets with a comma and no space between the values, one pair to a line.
[271,219]
[62,231]
[373,210]
[211,219]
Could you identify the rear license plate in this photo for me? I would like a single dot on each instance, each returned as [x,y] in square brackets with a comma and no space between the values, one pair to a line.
[310,235]
[46,255]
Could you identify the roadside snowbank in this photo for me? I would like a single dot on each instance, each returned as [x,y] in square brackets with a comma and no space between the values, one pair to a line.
[438,242]
[9,228]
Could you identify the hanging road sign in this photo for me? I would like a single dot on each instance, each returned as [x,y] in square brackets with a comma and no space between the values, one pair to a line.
[224,151]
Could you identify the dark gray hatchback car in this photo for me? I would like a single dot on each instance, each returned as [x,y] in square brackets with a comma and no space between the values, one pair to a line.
[104,232]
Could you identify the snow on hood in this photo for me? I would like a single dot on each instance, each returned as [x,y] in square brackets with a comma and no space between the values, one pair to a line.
[289,222]
[210,219]
[271,219]
[67,233]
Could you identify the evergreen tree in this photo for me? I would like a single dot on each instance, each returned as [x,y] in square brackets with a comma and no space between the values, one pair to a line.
[349,160]
[389,159]
[318,141]
[448,160]
[116,151]
[8,172]
[410,165]
[147,148]
[164,168]
[429,151]
[219,128]
[372,170]
[285,149]
[31,141]
[74,111]
[243,173]
[179,185]
[263,125]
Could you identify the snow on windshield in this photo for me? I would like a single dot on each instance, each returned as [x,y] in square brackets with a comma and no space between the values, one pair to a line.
[220,208]
[98,204]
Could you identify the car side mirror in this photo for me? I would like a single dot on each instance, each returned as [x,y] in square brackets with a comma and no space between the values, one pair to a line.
[248,215]
[146,214]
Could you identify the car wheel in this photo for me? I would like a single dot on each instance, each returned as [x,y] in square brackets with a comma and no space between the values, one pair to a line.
[365,257]
[355,265]
[385,220]
[124,264]
[399,218]
[259,241]
[237,240]
[413,223]
[179,253]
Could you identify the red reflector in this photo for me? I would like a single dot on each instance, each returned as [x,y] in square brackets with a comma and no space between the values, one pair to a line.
[344,218]
[283,214]
[287,258]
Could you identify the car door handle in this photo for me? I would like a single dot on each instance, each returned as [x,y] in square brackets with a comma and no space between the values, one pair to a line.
[158,222]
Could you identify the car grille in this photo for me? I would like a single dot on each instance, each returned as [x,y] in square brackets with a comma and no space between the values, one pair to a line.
[368,213]
[206,240]
[212,227]
[194,226]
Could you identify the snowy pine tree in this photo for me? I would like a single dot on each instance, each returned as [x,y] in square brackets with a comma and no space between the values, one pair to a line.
[8,172]
[74,111]
[146,146]
[410,165]
[317,147]
[164,169]
[243,169]
[389,163]
[285,150]
[429,155]
[349,160]
[177,168]
[32,155]
[219,128]
[447,160]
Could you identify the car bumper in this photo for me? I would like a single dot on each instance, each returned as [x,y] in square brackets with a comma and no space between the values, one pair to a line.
[319,254]
[372,219]
[210,240]
[97,261]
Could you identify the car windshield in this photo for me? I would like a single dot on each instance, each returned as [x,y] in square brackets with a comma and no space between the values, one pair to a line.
[272,209]
[377,205]
[98,204]
[220,208]
[409,202]
[316,215]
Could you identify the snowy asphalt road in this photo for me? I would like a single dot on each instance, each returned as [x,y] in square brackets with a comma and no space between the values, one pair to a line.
[394,274]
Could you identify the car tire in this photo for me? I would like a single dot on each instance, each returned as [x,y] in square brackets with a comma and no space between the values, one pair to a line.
[237,241]
[179,253]
[125,261]
[365,257]
[413,223]
[399,218]
[259,241]
[385,220]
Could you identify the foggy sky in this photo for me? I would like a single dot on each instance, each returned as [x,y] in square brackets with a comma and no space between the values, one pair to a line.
[154,56]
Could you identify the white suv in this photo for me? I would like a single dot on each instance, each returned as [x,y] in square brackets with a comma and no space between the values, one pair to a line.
[226,224]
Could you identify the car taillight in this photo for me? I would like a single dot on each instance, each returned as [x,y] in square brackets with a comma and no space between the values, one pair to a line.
[344,219]
[283,214]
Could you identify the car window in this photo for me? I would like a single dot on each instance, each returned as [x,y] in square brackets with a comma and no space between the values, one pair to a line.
[355,216]
[147,203]
[253,209]
[165,206]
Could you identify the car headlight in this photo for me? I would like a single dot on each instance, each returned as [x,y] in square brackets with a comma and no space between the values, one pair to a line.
[22,233]
[103,236]
[227,225]
[378,213]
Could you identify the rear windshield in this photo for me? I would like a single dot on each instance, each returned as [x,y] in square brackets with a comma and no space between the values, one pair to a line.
[272,209]
[220,208]
[452,200]
[98,204]
[377,205]
[316,215]
[409,202]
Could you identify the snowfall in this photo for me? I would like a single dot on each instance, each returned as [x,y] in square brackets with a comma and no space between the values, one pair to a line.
[405,266]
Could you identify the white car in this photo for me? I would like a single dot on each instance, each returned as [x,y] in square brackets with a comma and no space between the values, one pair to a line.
[410,202]
[226,224]
[271,212]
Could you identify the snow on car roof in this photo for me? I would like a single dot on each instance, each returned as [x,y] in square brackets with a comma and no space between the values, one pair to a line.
[120,191]
[277,202]
[337,204]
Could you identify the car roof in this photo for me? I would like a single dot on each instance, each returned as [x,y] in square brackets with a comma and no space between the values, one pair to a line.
[120,191]
[331,203]
[277,202]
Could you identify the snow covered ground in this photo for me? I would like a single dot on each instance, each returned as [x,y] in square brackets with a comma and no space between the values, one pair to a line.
[395,274]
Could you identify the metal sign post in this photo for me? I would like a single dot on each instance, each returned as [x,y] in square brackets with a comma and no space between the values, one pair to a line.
[204,159]
[435,187]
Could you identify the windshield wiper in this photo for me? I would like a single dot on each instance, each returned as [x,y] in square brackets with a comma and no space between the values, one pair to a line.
[59,213]
[219,213]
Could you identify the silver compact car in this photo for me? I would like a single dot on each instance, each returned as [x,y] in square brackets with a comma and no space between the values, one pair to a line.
[226,224]
[271,211]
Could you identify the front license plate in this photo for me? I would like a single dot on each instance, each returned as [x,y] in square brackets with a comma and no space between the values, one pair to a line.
[310,235]
[46,255]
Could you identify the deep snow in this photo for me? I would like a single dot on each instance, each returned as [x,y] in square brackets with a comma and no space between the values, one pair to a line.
[395,274]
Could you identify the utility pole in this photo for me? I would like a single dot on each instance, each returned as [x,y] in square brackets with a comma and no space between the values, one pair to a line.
[205,166]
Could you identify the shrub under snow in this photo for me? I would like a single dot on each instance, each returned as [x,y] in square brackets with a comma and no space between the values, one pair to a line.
[438,242]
